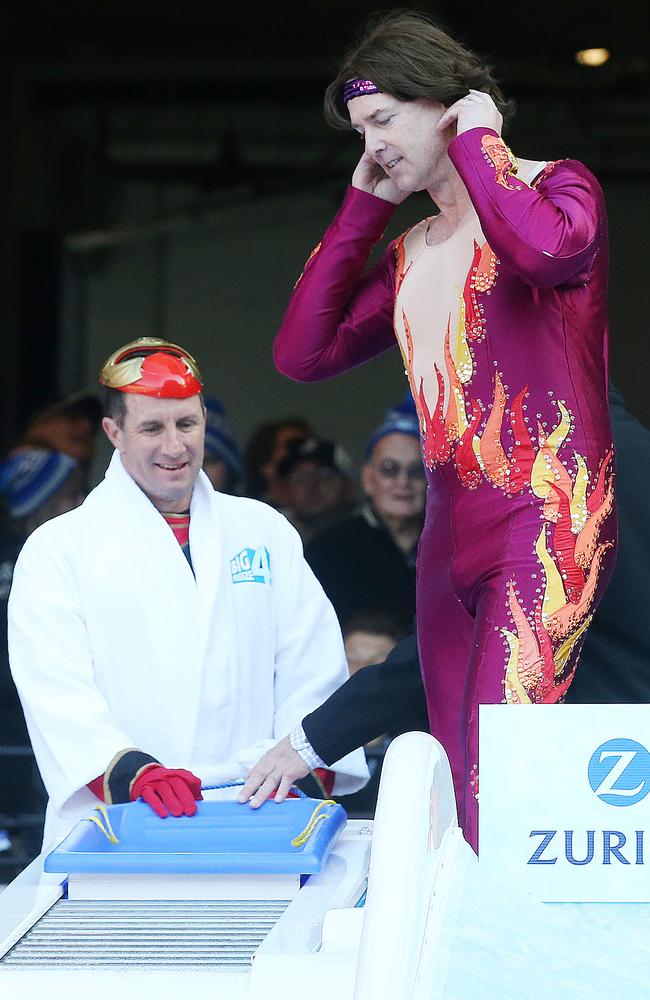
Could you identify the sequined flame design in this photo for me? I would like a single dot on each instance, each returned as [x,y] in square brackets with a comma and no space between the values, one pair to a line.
[480,278]
[400,259]
[464,362]
[451,427]
[511,473]
[502,159]
[456,416]
[540,667]
[478,456]
[473,780]
[541,643]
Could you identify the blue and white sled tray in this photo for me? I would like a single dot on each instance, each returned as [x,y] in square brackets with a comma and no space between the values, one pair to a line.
[222,838]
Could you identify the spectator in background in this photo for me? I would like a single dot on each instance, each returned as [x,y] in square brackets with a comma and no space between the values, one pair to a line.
[35,485]
[221,458]
[369,637]
[318,476]
[267,447]
[366,562]
[69,426]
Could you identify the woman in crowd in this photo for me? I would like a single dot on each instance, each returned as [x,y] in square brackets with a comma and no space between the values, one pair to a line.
[366,561]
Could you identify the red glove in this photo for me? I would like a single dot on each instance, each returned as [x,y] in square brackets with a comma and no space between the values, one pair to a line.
[167,791]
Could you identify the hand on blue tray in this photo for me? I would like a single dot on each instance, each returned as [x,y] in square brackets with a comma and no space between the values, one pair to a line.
[168,791]
[279,768]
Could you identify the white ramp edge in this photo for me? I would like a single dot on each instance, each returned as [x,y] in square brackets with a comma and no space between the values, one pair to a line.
[415,843]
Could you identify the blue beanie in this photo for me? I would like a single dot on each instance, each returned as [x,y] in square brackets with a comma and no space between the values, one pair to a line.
[31,477]
[219,442]
[400,419]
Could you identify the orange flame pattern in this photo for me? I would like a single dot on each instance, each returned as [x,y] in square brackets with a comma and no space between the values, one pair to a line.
[534,670]
[400,260]
[570,551]
[540,653]
[501,158]
[480,278]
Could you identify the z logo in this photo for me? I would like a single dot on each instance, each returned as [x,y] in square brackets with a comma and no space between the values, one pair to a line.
[619,772]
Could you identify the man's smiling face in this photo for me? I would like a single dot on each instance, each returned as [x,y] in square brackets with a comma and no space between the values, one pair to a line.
[161,445]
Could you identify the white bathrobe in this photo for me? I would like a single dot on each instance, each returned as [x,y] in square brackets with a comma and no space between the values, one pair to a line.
[115,643]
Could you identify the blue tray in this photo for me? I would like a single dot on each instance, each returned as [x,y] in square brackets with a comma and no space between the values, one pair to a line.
[222,838]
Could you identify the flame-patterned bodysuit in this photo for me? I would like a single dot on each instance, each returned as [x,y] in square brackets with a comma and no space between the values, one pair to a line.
[503,331]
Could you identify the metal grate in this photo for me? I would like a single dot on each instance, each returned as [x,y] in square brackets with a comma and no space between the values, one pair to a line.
[111,933]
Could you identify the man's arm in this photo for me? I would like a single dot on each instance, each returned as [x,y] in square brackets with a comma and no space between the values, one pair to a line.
[70,725]
[384,697]
[338,317]
[74,735]
[549,235]
[310,659]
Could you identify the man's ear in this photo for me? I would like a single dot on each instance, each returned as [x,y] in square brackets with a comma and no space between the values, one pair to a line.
[113,431]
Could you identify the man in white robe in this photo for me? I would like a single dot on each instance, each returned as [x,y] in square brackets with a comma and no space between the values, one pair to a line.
[149,663]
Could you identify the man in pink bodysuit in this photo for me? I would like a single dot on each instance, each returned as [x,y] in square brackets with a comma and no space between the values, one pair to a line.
[498,304]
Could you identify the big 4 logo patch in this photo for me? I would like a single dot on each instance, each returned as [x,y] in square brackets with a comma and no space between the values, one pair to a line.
[251,566]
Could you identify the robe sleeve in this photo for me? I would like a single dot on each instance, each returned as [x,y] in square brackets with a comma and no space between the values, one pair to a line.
[549,234]
[310,659]
[338,317]
[73,734]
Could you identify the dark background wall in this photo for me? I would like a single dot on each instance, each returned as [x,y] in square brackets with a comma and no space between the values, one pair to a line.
[167,170]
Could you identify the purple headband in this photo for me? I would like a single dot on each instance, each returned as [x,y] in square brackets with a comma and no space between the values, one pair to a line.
[358,88]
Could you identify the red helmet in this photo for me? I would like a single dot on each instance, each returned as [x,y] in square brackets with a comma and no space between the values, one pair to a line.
[152,367]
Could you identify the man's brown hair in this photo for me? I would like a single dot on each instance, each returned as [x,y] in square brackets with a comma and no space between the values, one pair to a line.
[407,55]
